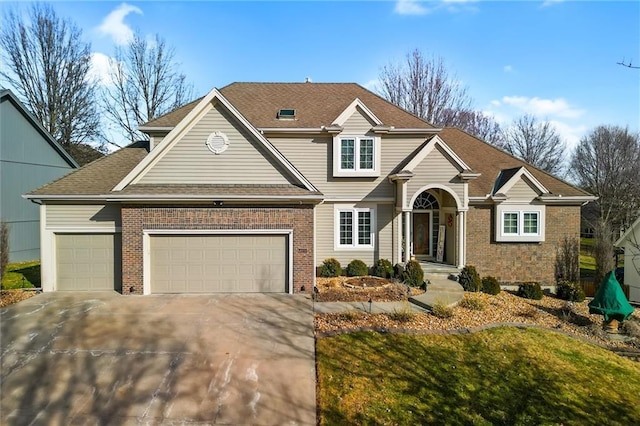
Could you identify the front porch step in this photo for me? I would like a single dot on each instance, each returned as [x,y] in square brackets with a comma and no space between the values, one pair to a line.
[433,271]
[440,290]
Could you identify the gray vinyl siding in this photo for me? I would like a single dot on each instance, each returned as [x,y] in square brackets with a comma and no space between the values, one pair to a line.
[189,161]
[357,124]
[521,191]
[325,234]
[312,156]
[435,169]
[83,216]
[27,161]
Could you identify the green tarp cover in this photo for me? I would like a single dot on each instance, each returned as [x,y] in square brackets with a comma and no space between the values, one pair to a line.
[610,301]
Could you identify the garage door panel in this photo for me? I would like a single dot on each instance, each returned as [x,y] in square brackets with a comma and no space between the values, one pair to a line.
[87,262]
[218,263]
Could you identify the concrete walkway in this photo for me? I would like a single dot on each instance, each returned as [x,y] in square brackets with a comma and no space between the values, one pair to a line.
[439,290]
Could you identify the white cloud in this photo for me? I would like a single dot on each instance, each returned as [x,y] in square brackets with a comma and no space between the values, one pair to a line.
[101,67]
[547,3]
[543,107]
[113,24]
[569,133]
[507,68]
[410,7]
[372,85]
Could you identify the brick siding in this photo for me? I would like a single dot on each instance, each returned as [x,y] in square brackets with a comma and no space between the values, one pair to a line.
[518,262]
[137,218]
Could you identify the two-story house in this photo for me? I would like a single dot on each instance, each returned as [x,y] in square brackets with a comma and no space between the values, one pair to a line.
[251,187]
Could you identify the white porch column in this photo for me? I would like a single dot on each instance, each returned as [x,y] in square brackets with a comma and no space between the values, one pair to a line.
[462,239]
[406,220]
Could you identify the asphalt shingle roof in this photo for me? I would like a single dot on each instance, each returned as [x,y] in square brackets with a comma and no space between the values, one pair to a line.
[316,105]
[490,161]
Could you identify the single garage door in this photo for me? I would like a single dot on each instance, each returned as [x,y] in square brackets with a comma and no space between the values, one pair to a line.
[218,263]
[87,262]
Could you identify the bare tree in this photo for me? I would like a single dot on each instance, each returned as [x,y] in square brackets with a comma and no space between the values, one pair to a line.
[628,64]
[145,84]
[480,125]
[47,63]
[424,87]
[535,142]
[606,163]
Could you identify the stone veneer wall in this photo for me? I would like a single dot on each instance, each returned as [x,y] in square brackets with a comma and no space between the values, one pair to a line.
[135,218]
[518,262]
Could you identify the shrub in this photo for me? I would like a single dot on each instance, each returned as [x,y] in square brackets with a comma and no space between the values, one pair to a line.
[413,274]
[383,268]
[568,259]
[490,285]
[469,279]
[473,303]
[441,310]
[4,248]
[398,270]
[571,291]
[357,268]
[330,268]
[531,290]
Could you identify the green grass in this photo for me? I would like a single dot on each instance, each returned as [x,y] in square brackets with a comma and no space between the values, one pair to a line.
[22,275]
[500,376]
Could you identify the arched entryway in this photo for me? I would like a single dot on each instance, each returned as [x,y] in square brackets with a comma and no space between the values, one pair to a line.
[434,228]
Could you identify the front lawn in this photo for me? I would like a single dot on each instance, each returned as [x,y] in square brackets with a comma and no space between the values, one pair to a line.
[22,275]
[499,376]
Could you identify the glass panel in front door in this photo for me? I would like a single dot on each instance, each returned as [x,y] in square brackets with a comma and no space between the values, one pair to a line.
[421,234]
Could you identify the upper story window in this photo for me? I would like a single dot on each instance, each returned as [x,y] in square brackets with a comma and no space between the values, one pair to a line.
[356,156]
[520,223]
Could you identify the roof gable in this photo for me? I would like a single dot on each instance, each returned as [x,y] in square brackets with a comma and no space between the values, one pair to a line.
[7,95]
[191,120]
[629,233]
[512,177]
[356,106]
[434,142]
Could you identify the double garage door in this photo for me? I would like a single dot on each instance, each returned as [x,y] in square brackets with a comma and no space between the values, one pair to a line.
[177,263]
[218,263]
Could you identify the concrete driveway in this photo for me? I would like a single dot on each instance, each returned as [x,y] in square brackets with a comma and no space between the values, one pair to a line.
[102,358]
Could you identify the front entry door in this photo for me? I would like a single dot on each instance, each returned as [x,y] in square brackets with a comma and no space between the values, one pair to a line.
[421,232]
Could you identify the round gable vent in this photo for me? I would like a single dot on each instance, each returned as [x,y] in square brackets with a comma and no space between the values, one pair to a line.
[217,142]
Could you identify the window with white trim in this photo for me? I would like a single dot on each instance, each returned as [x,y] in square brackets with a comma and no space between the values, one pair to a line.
[356,156]
[354,227]
[520,223]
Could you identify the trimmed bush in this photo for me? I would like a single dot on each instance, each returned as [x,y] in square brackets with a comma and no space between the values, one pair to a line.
[469,279]
[330,268]
[357,268]
[490,285]
[571,291]
[530,290]
[413,274]
[383,268]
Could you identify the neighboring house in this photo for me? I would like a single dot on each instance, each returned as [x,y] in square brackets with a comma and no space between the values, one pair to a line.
[251,187]
[589,217]
[29,158]
[630,242]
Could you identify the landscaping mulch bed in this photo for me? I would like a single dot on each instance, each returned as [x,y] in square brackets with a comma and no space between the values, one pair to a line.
[362,289]
[506,307]
[8,297]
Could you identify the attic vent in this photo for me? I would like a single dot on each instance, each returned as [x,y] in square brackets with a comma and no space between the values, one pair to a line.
[286,114]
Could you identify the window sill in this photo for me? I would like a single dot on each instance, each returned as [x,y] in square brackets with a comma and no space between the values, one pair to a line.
[356,174]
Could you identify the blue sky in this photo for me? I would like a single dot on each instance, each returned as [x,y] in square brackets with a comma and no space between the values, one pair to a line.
[554,59]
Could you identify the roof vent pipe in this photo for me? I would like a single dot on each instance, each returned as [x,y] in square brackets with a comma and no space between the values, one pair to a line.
[307,79]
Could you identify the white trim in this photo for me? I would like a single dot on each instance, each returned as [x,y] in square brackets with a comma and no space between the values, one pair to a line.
[47,253]
[204,106]
[379,200]
[213,197]
[337,209]
[426,150]
[146,247]
[338,171]
[146,129]
[514,179]
[459,205]
[351,109]
[520,210]
[86,230]
[566,200]
[315,250]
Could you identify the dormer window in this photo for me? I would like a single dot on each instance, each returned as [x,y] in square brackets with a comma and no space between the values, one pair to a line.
[286,114]
[356,156]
